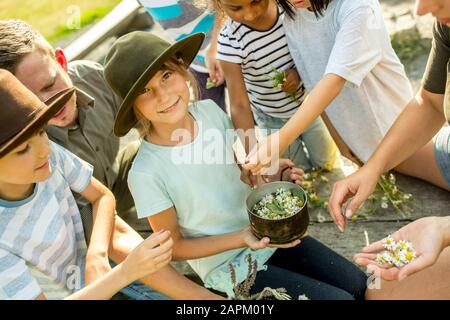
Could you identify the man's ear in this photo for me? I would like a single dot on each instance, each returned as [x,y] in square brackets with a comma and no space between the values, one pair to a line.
[61,59]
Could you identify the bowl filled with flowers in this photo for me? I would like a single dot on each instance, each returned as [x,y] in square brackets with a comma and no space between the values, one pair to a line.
[278,210]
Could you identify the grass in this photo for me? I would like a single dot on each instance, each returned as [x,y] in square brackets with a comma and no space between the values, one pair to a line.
[56,19]
[409,45]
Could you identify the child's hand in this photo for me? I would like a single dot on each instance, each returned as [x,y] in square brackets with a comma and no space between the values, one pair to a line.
[264,157]
[254,243]
[358,187]
[249,178]
[152,254]
[289,172]
[292,81]
[215,71]
[96,267]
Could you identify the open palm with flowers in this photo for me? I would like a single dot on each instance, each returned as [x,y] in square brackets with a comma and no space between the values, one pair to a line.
[429,237]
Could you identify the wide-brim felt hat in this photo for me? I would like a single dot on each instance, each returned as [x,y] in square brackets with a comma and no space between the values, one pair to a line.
[133,60]
[22,114]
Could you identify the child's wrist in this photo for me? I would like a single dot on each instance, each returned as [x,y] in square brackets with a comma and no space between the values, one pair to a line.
[96,253]
[125,277]
[242,239]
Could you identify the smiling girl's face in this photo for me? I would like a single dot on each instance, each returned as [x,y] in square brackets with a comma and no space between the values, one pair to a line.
[165,98]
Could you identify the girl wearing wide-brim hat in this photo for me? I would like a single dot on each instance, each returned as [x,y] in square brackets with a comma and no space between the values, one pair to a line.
[42,247]
[185,179]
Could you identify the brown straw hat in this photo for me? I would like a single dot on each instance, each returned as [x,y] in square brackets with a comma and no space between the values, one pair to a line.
[22,114]
[134,59]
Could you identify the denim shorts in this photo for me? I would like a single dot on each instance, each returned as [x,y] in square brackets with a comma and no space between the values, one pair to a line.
[138,291]
[442,152]
[313,148]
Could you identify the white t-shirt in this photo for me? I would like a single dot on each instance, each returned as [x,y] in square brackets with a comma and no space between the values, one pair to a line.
[43,234]
[351,40]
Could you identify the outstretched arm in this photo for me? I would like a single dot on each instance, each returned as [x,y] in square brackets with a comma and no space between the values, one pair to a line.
[416,125]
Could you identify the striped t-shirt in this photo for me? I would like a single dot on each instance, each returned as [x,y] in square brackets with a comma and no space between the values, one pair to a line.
[45,231]
[259,53]
[181,18]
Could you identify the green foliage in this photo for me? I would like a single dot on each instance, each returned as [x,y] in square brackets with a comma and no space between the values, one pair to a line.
[409,45]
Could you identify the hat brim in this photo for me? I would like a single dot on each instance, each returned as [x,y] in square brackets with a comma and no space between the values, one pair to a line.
[47,111]
[186,49]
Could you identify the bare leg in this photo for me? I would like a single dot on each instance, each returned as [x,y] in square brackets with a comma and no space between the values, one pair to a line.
[422,165]
[167,280]
[432,283]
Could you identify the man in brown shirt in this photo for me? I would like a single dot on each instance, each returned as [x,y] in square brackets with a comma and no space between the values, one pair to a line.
[84,126]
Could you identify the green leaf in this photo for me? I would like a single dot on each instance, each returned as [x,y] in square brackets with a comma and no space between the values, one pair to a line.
[297,193]
[210,84]
[275,209]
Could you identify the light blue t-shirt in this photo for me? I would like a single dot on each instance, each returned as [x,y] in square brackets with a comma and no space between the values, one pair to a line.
[44,232]
[202,181]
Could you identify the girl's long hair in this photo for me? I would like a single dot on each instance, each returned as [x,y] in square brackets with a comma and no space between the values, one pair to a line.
[319,6]
[178,66]
[288,7]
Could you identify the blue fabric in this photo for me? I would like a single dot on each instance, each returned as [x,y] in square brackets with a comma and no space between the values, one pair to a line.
[204,25]
[204,172]
[442,152]
[139,291]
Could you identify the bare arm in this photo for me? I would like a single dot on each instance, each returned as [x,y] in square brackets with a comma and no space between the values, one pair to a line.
[241,113]
[193,248]
[150,256]
[416,125]
[314,105]
[103,208]
[213,65]
[167,280]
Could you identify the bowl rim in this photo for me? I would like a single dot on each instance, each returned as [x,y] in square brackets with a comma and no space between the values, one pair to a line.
[294,214]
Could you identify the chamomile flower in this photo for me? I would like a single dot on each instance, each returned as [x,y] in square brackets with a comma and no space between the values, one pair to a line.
[398,253]
[278,205]
[389,243]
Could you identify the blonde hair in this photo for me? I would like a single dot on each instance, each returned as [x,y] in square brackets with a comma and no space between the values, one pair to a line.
[176,65]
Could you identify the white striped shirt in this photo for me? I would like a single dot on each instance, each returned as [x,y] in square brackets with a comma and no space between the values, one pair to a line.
[258,53]
[45,231]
